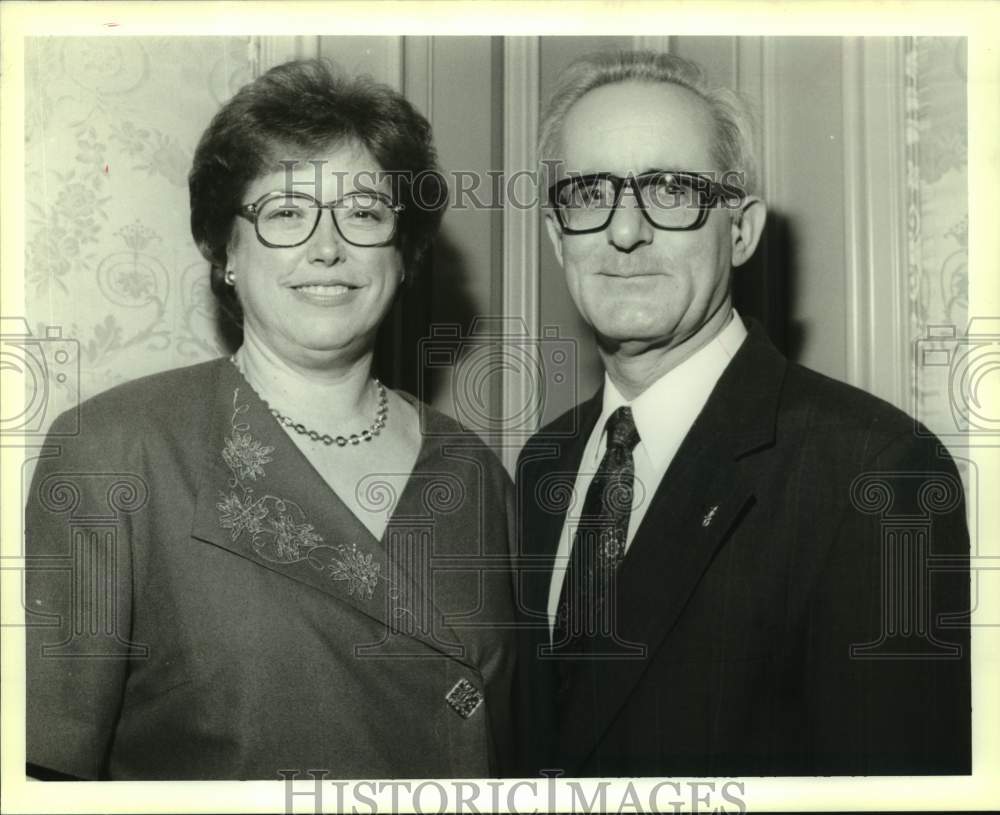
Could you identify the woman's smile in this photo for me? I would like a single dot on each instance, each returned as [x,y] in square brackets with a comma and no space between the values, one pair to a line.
[325,294]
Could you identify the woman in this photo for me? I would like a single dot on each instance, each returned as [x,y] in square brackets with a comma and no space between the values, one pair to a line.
[277,563]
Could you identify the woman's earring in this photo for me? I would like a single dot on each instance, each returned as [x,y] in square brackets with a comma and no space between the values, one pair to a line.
[230,277]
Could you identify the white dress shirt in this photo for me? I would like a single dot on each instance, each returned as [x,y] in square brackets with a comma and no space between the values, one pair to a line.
[663,413]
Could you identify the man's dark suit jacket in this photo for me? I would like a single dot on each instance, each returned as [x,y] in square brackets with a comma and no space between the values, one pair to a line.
[798,586]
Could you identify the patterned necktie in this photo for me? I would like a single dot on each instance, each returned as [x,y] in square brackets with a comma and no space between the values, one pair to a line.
[585,604]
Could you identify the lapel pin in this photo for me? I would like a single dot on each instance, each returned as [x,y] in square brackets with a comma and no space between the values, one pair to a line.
[709,515]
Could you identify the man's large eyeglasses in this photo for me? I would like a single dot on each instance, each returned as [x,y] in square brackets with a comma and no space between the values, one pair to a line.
[675,201]
[284,220]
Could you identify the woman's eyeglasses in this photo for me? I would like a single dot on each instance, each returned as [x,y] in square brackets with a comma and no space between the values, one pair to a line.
[283,220]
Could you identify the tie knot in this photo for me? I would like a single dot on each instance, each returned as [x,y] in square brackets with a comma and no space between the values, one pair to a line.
[621,429]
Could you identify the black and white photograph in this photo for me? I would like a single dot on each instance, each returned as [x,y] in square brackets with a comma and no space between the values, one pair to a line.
[499,417]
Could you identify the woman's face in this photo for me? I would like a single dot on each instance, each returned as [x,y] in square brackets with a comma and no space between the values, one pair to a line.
[322,301]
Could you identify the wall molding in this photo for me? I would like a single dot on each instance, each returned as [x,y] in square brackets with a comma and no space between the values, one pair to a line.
[856,227]
[661,45]
[266,52]
[875,223]
[755,76]
[521,90]
[417,66]
[395,64]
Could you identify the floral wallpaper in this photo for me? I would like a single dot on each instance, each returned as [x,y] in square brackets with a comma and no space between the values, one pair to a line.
[110,128]
[938,212]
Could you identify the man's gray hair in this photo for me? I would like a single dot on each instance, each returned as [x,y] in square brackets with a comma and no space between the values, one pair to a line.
[734,147]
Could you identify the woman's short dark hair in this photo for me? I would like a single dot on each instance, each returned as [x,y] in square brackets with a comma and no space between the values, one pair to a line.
[307,106]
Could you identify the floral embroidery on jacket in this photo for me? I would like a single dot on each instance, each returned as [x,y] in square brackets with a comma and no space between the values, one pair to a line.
[241,516]
[245,456]
[277,528]
[293,539]
[359,570]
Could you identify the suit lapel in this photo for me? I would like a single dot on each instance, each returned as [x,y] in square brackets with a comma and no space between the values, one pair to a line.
[547,476]
[409,545]
[259,498]
[702,498]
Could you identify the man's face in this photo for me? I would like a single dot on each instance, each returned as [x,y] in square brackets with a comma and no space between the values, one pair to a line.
[637,285]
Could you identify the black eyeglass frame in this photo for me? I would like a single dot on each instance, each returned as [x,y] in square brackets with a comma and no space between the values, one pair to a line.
[698,181]
[250,212]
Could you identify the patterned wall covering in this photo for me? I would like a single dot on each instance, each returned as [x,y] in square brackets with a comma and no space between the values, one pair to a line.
[110,127]
[938,224]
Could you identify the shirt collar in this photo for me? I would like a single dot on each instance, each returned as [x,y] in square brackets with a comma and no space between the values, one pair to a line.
[666,410]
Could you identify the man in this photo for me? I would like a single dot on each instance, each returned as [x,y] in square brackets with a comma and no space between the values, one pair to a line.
[729,564]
